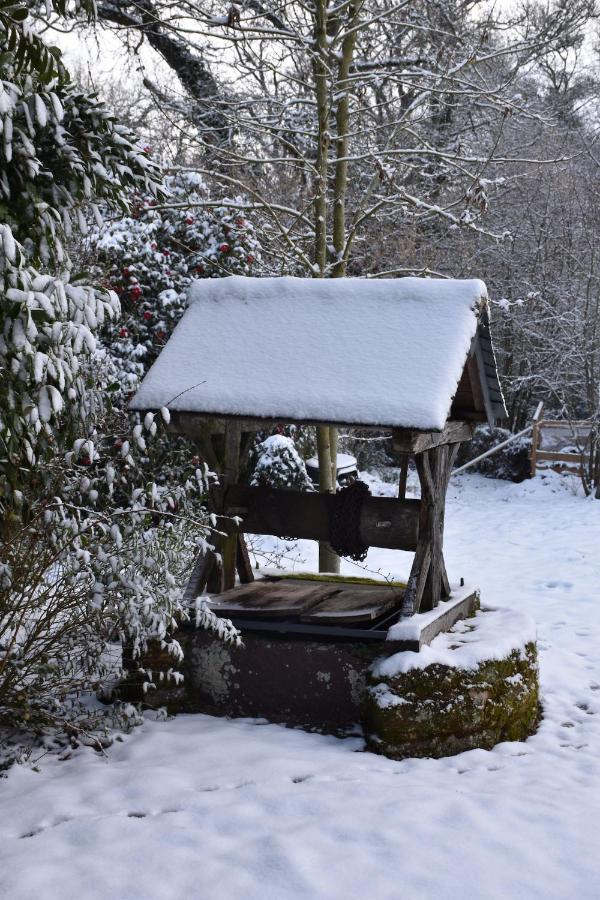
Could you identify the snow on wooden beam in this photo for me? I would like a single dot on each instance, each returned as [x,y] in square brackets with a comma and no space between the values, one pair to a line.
[405,440]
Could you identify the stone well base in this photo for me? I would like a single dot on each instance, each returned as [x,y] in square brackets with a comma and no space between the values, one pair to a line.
[475,686]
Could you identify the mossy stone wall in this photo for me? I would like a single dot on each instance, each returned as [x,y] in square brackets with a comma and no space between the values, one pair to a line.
[441,710]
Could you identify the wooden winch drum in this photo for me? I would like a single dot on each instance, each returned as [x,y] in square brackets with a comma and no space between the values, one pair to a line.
[385,522]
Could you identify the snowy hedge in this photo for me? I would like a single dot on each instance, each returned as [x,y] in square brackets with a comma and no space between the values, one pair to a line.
[150,257]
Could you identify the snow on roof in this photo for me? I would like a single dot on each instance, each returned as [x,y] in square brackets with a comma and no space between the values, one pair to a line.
[386,352]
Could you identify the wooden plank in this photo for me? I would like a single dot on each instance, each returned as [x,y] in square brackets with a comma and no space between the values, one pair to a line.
[413,633]
[271,599]
[190,423]
[406,440]
[354,603]
[423,627]
[475,381]
[385,521]
[565,423]
[243,564]
[448,617]
[199,577]
[549,455]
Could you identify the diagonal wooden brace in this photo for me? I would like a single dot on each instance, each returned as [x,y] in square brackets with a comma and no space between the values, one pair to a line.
[428,580]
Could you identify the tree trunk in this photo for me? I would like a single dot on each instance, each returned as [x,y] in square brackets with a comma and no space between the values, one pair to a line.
[328,560]
[327,438]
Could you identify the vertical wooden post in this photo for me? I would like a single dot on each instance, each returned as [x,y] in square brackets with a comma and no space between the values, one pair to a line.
[231,467]
[535,437]
[428,580]
[403,476]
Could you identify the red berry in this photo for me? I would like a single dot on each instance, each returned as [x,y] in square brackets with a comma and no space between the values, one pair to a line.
[189,220]
[125,273]
[249,259]
[123,333]
[240,222]
[147,315]
[135,292]
[200,269]
[224,248]
[160,335]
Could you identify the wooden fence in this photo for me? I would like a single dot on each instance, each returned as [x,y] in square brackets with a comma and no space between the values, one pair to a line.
[561,445]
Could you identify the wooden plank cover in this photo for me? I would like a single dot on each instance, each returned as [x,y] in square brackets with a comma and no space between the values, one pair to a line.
[317,603]
[271,599]
[354,603]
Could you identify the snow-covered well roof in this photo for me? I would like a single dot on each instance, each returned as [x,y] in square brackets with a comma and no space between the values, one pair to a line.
[386,352]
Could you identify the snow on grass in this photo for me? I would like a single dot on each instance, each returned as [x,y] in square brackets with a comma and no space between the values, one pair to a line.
[211,809]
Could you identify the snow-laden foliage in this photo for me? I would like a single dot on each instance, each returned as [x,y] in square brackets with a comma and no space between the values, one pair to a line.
[150,257]
[279,465]
[100,557]
[92,550]
[60,152]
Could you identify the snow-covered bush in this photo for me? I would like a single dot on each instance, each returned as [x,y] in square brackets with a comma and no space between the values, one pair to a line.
[512,463]
[91,547]
[60,153]
[150,257]
[102,559]
[278,464]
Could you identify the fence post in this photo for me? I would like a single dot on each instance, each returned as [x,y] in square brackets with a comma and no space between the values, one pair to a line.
[534,446]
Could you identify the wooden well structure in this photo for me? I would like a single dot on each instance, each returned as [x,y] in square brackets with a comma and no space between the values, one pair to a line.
[410,356]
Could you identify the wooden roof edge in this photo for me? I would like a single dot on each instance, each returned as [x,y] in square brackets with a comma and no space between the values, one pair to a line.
[489,381]
[187,422]
[407,440]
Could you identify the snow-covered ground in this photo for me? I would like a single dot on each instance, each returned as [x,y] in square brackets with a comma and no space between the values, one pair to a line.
[198,808]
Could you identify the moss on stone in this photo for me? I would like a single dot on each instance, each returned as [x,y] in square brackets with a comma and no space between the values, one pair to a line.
[441,710]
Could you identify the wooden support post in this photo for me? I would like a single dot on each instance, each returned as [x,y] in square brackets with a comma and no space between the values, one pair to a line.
[428,581]
[403,476]
[231,465]
[199,577]
[535,438]
[244,566]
